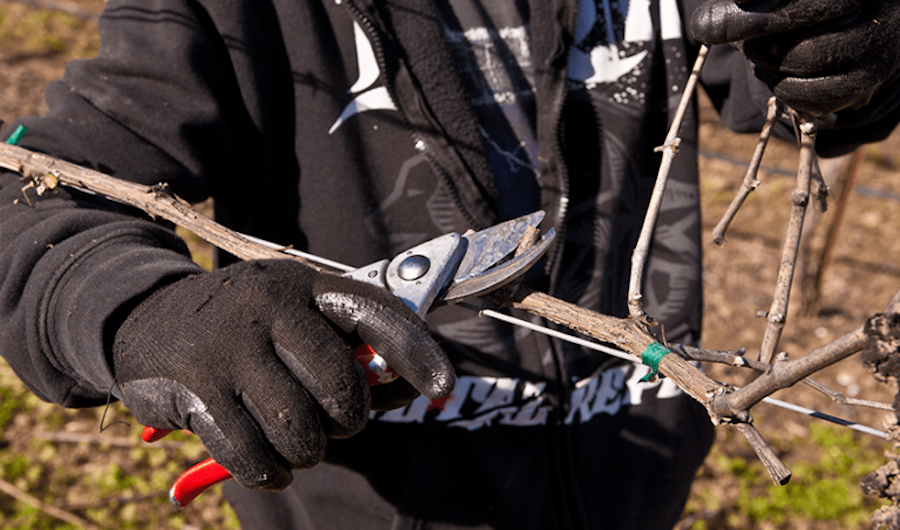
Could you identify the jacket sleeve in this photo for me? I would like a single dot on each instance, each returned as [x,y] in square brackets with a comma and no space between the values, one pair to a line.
[151,107]
[741,100]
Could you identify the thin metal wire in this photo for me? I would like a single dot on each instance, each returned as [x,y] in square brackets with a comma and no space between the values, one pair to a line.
[622,355]
[827,417]
[547,331]
[300,254]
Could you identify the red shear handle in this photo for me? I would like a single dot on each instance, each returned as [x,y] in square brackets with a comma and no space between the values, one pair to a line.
[195,481]
[377,370]
[152,434]
[208,473]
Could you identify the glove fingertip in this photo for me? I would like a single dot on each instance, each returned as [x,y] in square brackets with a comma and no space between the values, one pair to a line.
[258,469]
[441,384]
[411,352]
[707,23]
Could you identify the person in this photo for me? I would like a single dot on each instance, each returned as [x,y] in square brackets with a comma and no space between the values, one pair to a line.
[354,130]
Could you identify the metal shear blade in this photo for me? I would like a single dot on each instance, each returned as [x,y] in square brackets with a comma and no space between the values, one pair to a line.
[487,247]
[495,278]
[453,267]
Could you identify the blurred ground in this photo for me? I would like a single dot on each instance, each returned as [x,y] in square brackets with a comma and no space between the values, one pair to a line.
[111,480]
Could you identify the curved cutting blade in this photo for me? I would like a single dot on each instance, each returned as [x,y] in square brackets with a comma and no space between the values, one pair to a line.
[488,247]
[495,277]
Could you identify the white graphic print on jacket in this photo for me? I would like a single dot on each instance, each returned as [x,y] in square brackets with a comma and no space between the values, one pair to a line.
[614,41]
[478,402]
[365,96]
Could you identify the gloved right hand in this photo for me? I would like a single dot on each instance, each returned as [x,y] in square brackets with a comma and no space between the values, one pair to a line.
[818,56]
[255,359]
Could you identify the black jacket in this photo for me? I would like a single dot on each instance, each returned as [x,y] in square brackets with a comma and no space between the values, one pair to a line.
[252,103]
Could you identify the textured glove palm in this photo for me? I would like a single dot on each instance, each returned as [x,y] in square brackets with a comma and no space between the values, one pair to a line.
[818,56]
[254,359]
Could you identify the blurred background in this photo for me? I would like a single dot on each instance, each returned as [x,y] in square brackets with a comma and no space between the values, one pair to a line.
[58,470]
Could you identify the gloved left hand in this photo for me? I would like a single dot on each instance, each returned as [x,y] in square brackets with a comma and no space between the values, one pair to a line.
[818,56]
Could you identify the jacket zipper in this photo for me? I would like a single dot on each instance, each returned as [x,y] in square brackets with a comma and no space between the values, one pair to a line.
[555,256]
[572,496]
[419,144]
[554,260]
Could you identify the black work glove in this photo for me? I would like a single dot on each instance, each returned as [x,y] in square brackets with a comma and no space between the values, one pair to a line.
[818,56]
[255,359]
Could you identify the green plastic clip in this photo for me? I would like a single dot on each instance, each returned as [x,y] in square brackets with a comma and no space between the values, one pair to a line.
[651,357]
[17,135]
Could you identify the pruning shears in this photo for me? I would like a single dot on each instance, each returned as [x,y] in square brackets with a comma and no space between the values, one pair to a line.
[447,269]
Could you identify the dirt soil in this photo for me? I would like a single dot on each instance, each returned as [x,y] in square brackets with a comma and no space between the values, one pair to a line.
[859,276]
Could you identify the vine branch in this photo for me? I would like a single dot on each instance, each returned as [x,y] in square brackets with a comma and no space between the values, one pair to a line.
[751,179]
[669,150]
[777,314]
[44,173]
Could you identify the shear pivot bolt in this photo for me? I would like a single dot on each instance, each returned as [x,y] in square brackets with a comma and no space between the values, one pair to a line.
[413,268]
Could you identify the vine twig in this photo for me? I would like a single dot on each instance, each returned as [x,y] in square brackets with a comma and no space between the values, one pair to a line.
[669,150]
[784,373]
[44,172]
[777,314]
[751,180]
[736,358]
